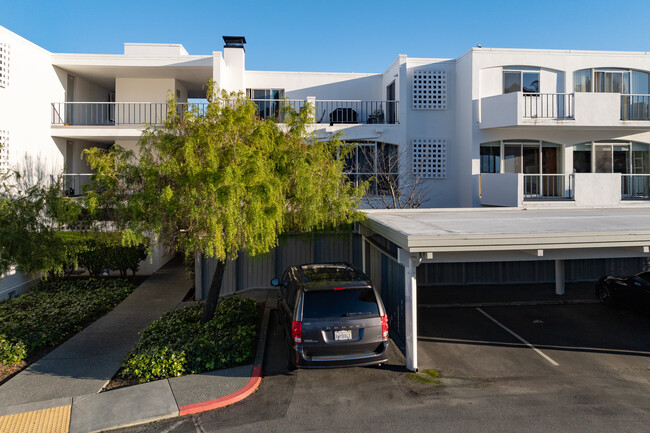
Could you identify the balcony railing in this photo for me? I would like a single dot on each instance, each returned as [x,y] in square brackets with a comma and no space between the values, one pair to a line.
[635,186]
[548,187]
[635,107]
[549,105]
[139,113]
[72,183]
[116,113]
[340,111]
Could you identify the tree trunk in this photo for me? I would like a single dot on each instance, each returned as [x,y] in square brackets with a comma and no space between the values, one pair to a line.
[213,293]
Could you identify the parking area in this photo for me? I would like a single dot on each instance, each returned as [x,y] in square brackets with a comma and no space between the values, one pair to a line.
[575,337]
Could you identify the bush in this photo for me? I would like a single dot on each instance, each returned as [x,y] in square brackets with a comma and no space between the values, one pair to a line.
[178,343]
[52,311]
[97,251]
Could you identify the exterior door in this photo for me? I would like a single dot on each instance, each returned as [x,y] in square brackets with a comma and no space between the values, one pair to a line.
[390,104]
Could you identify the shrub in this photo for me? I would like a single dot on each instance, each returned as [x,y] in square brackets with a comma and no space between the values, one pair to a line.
[97,251]
[52,311]
[178,343]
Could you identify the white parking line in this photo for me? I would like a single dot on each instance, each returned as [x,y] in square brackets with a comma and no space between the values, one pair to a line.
[539,352]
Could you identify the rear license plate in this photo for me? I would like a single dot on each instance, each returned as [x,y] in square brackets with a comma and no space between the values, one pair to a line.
[342,335]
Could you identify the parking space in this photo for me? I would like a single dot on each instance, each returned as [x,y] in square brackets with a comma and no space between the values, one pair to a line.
[517,341]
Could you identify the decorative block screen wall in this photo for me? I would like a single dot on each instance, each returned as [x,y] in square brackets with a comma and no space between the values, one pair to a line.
[4,150]
[430,158]
[429,90]
[4,64]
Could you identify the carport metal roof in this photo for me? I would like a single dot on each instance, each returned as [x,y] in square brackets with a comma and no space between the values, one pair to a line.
[495,234]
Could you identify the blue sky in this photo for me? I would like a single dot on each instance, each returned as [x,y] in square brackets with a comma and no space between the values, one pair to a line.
[333,35]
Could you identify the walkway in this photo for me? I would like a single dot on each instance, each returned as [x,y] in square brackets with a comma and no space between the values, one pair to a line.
[86,362]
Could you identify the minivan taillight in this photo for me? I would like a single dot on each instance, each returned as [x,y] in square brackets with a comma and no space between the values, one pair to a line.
[384,326]
[296,331]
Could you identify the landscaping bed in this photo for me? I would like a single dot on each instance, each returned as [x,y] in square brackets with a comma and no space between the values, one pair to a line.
[178,343]
[35,322]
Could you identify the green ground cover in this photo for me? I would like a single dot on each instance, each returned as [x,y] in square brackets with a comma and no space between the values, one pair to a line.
[178,343]
[52,311]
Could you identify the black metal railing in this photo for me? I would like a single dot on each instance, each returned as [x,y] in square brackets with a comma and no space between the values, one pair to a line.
[140,113]
[635,107]
[635,186]
[548,187]
[549,105]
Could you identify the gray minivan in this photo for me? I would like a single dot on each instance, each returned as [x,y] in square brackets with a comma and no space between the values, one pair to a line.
[332,316]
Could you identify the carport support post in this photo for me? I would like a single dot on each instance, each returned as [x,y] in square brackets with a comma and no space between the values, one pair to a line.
[559,277]
[410,262]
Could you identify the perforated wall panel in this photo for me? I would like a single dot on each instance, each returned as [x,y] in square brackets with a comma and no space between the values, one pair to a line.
[4,64]
[429,90]
[430,158]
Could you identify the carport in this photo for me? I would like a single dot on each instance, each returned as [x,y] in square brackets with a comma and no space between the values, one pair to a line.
[396,242]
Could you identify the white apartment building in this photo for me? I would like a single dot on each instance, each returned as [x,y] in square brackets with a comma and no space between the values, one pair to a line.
[536,130]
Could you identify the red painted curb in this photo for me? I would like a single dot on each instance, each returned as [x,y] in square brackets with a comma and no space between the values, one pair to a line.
[251,386]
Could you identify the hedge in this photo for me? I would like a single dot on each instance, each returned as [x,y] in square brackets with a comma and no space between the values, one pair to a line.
[52,311]
[96,252]
[178,344]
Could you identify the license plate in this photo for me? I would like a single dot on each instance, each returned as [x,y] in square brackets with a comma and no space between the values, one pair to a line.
[342,335]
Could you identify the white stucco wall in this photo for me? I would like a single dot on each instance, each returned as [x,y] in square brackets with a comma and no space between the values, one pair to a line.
[597,189]
[25,106]
[502,189]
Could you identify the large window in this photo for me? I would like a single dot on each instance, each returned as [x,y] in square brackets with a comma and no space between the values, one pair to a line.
[612,80]
[491,157]
[268,102]
[520,79]
[611,157]
[373,162]
[521,156]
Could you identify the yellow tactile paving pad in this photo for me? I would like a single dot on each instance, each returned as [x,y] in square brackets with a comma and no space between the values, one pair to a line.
[54,420]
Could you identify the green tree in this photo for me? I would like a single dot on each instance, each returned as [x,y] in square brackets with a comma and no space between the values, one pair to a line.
[221,181]
[31,216]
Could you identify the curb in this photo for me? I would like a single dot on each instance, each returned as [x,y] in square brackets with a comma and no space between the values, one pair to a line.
[227,400]
[253,383]
[38,417]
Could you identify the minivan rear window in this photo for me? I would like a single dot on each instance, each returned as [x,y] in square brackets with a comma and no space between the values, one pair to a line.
[340,303]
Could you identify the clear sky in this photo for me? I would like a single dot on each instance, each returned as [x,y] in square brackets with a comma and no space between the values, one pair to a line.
[331,35]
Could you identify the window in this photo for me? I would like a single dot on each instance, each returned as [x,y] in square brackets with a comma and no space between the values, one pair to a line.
[373,162]
[520,79]
[319,304]
[582,158]
[521,156]
[491,157]
[269,102]
[611,157]
[612,80]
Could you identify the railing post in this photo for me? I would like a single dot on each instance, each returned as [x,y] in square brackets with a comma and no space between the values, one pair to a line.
[311,100]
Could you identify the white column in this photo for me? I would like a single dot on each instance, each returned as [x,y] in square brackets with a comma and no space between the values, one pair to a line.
[410,263]
[311,100]
[559,277]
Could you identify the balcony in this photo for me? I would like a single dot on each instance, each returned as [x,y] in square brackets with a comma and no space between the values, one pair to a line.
[598,110]
[576,189]
[140,113]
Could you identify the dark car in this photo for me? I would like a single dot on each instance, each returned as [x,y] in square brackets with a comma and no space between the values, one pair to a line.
[332,316]
[634,290]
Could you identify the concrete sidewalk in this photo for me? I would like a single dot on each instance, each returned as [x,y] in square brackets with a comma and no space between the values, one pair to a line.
[138,404]
[86,362]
